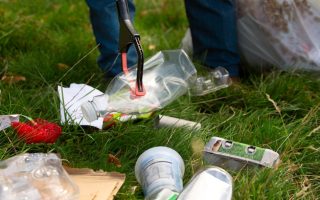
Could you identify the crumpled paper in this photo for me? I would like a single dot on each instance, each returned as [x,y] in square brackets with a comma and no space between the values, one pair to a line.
[71,99]
[6,120]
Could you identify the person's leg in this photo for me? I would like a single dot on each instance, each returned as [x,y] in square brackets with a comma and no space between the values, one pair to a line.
[214,34]
[105,24]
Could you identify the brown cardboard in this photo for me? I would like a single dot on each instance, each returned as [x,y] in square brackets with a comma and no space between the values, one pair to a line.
[96,185]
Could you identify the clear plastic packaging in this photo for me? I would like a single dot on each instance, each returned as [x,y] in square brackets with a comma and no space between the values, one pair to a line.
[213,81]
[35,177]
[167,75]
[280,33]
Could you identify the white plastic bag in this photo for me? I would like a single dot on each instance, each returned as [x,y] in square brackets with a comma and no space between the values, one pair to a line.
[280,33]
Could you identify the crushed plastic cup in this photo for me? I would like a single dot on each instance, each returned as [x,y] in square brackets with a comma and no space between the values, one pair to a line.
[212,183]
[166,76]
[159,171]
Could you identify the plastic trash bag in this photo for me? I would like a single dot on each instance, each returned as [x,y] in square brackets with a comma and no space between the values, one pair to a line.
[167,75]
[280,33]
[35,177]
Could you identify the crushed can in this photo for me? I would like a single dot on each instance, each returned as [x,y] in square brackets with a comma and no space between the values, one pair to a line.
[235,155]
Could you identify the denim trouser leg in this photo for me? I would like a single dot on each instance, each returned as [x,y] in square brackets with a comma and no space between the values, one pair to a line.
[214,35]
[105,24]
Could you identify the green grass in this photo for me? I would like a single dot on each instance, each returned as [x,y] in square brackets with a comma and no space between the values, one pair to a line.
[35,36]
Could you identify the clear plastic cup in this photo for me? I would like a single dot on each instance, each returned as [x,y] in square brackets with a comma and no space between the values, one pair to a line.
[159,171]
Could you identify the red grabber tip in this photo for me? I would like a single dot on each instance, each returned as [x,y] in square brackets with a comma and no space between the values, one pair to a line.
[140,93]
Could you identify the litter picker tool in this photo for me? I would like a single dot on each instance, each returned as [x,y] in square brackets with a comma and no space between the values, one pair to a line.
[128,36]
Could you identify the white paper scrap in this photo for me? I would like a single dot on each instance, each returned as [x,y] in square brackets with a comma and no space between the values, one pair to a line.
[70,104]
[5,120]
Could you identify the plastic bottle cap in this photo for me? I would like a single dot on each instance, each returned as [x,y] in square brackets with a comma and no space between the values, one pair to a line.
[89,112]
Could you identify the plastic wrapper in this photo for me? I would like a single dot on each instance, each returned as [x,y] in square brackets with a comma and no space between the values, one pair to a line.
[35,177]
[280,33]
[166,76]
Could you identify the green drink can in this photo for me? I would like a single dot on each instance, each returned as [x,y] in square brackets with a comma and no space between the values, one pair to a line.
[235,155]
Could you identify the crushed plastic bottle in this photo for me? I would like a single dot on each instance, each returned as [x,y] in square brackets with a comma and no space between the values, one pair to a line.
[213,183]
[35,176]
[167,75]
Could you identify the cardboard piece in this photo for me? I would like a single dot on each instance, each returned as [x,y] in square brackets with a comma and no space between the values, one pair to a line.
[96,185]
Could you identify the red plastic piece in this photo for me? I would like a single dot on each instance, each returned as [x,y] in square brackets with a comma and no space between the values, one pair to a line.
[37,131]
[140,93]
[124,63]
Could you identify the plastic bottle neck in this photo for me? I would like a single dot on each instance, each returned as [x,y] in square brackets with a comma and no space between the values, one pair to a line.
[96,108]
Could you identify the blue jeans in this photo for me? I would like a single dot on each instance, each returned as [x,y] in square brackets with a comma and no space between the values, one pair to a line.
[105,24]
[212,24]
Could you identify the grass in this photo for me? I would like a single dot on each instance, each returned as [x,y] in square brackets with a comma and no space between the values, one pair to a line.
[51,43]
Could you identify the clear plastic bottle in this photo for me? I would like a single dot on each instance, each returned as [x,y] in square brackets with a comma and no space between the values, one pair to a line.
[167,76]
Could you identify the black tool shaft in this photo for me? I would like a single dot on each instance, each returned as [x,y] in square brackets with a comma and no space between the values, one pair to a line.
[128,36]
